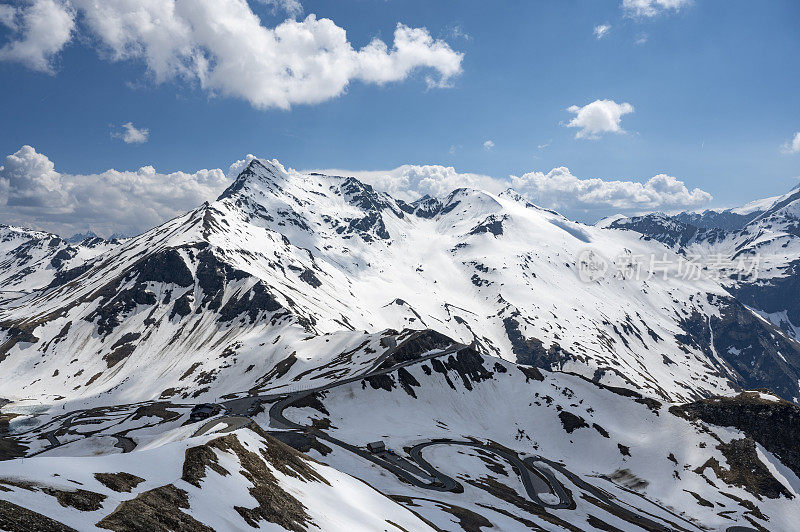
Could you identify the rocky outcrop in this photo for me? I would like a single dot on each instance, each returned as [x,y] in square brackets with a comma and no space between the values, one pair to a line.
[774,424]
[756,352]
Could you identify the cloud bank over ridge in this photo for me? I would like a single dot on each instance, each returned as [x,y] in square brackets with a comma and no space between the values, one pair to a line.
[33,193]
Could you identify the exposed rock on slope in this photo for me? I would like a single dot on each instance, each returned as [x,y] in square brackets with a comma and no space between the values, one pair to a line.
[767,241]
[773,423]
[282,255]
[251,480]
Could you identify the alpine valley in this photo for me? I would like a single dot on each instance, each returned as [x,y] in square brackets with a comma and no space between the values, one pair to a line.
[510,369]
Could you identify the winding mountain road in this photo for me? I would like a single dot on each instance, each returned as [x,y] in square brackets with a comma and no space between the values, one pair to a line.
[537,481]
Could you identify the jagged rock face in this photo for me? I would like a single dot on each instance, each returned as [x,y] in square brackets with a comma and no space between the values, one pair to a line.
[282,255]
[726,220]
[82,237]
[426,207]
[672,232]
[755,352]
[777,296]
[773,423]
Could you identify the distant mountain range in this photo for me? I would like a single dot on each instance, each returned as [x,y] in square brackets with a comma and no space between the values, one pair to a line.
[527,371]
[766,233]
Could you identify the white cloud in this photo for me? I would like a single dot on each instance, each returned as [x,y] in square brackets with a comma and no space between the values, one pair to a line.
[128,202]
[601,30]
[641,39]
[30,180]
[131,134]
[559,189]
[598,117]
[586,199]
[292,8]
[34,194]
[793,145]
[40,30]
[410,182]
[651,8]
[457,32]
[488,145]
[223,46]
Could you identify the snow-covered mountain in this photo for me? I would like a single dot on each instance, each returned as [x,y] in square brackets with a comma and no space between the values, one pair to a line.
[770,243]
[296,283]
[80,237]
[470,441]
[30,260]
[166,487]
[282,254]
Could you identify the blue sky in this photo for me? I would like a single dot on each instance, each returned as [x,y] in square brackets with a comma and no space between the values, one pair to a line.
[713,87]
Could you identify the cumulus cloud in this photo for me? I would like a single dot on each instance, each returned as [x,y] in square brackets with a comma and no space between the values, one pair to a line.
[601,30]
[598,117]
[793,145]
[292,8]
[34,194]
[559,189]
[40,29]
[651,8]
[488,145]
[584,199]
[223,46]
[130,134]
[30,180]
[411,181]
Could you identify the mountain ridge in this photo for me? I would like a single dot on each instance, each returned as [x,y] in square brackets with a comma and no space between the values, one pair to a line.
[771,240]
[511,386]
[317,253]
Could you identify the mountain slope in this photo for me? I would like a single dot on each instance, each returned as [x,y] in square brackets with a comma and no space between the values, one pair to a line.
[767,247]
[228,289]
[238,481]
[628,463]
[30,260]
[318,312]
[471,440]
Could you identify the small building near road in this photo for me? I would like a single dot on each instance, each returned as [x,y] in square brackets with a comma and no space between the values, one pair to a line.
[203,411]
[376,447]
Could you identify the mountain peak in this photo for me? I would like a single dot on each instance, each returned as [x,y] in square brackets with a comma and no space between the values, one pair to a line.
[260,171]
[80,237]
[512,194]
[426,207]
